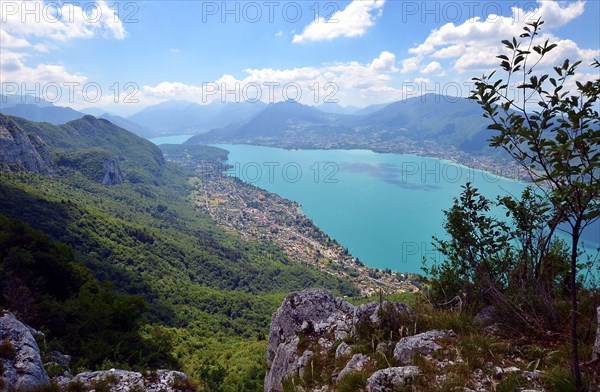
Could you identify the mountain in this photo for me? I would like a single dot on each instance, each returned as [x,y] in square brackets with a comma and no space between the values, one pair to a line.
[446,120]
[95,143]
[11,100]
[232,113]
[431,124]
[127,124]
[96,112]
[336,108]
[276,123]
[370,109]
[21,152]
[50,114]
[191,287]
[175,117]
[172,117]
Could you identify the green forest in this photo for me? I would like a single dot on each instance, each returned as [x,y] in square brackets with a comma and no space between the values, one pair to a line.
[139,276]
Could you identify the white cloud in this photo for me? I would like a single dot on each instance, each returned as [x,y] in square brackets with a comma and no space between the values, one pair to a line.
[172,90]
[13,69]
[48,20]
[448,52]
[422,81]
[174,50]
[9,41]
[352,21]
[473,45]
[411,64]
[29,28]
[432,67]
[350,82]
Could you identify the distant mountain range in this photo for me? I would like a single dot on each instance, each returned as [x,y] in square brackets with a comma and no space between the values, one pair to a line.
[431,124]
[52,114]
[15,99]
[187,117]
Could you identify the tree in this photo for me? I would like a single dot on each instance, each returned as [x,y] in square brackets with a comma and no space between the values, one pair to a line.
[554,134]
[514,265]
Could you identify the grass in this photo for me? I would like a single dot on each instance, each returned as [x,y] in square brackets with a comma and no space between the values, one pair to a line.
[353,382]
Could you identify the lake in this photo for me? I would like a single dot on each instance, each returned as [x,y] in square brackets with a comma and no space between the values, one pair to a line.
[384,208]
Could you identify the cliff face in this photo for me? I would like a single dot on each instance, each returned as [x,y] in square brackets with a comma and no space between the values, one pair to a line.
[19,152]
[114,175]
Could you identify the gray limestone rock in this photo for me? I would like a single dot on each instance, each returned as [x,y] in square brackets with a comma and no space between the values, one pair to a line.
[342,349]
[124,381]
[357,363]
[18,151]
[423,343]
[388,379]
[22,364]
[311,312]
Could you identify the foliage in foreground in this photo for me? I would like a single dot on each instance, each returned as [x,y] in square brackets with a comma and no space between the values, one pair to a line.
[554,135]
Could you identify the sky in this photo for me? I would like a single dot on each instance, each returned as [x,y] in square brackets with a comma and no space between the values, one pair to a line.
[125,55]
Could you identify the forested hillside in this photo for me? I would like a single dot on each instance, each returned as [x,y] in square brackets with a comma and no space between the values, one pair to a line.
[209,294]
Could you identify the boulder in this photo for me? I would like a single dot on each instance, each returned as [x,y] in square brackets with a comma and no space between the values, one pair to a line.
[123,380]
[20,357]
[357,363]
[58,358]
[343,349]
[391,378]
[423,343]
[310,312]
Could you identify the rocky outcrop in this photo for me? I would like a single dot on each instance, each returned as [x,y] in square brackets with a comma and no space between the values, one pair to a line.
[315,316]
[321,343]
[20,152]
[122,380]
[22,366]
[423,343]
[315,312]
[114,175]
[391,378]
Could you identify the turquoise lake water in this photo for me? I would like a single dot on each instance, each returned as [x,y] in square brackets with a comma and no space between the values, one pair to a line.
[384,208]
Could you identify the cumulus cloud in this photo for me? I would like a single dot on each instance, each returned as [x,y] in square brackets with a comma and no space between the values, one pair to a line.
[411,64]
[352,21]
[14,70]
[422,80]
[473,45]
[348,81]
[49,20]
[432,67]
[29,28]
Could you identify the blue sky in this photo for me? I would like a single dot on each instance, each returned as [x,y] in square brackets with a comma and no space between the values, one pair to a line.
[356,52]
